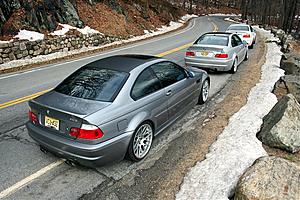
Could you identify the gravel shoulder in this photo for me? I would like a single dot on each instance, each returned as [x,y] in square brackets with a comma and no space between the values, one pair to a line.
[199,129]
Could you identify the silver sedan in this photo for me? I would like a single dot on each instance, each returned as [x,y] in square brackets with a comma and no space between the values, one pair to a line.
[114,107]
[217,51]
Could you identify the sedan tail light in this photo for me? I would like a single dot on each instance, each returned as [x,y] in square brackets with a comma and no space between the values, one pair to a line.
[32,117]
[88,132]
[189,54]
[221,55]
[246,36]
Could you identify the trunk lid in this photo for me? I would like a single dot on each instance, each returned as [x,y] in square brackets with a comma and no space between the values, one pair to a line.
[58,113]
[206,51]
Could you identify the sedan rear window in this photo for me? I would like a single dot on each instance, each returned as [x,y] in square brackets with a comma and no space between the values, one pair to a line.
[238,28]
[93,83]
[221,40]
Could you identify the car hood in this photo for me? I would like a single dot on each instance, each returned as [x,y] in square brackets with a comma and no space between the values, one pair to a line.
[68,104]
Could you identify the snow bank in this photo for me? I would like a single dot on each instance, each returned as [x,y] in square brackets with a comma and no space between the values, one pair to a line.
[66,28]
[237,147]
[29,35]
[221,14]
[230,20]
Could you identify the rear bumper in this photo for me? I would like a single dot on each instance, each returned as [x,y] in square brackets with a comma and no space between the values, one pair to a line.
[216,64]
[90,155]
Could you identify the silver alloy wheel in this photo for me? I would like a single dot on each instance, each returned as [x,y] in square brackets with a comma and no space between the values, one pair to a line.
[142,141]
[205,90]
[235,65]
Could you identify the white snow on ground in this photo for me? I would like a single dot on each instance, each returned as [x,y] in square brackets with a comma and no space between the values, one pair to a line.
[29,35]
[230,20]
[237,147]
[66,28]
[42,58]
[221,14]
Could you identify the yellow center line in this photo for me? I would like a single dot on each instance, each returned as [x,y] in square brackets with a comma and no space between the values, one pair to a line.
[32,96]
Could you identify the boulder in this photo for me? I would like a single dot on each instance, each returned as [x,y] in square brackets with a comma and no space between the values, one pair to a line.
[290,63]
[281,127]
[270,178]
[292,84]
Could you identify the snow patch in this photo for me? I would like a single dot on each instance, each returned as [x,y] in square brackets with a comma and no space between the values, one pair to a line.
[29,35]
[230,20]
[237,146]
[221,14]
[66,28]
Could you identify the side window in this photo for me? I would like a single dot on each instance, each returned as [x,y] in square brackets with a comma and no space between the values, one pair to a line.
[145,84]
[233,42]
[168,73]
[238,39]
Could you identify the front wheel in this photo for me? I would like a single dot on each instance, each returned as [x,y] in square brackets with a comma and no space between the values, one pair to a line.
[234,66]
[141,142]
[204,92]
[246,56]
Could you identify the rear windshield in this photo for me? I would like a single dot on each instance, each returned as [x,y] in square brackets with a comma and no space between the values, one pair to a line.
[213,40]
[93,83]
[238,28]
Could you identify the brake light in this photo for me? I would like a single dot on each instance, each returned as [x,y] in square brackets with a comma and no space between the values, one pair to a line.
[88,132]
[246,36]
[189,54]
[221,55]
[32,117]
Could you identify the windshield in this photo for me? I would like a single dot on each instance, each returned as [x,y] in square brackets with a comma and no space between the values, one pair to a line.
[93,83]
[238,28]
[221,40]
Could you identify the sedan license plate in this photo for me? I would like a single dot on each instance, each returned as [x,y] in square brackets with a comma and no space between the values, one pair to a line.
[204,54]
[52,123]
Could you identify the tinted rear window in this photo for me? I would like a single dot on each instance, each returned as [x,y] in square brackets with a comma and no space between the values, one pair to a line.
[93,83]
[238,28]
[213,40]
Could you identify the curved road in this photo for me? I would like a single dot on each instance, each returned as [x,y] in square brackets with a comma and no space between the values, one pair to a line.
[43,176]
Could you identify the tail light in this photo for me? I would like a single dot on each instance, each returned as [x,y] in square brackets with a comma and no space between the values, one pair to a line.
[189,54]
[88,132]
[32,117]
[246,36]
[221,55]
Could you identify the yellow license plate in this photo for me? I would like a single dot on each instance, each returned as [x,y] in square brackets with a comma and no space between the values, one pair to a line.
[204,53]
[51,122]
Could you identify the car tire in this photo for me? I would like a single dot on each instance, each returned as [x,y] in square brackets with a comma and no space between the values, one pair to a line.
[246,56]
[141,140]
[234,66]
[251,46]
[204,92]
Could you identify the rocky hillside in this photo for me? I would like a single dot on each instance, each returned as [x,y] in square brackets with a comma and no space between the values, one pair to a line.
[114,17]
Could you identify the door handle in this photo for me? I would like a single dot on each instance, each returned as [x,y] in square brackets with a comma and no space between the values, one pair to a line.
[169,93]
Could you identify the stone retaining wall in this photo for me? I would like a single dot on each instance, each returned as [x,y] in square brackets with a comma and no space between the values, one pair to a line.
[17,50]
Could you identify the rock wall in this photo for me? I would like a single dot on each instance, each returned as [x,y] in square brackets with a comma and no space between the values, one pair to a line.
[16,50]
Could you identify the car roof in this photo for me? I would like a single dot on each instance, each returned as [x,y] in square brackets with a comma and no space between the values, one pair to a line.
[124,63]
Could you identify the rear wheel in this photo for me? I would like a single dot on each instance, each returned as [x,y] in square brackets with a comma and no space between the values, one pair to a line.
[141,142]
[204,92]
[251,46]
[234,66]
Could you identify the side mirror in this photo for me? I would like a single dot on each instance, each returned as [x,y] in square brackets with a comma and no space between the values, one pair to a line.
[190,73]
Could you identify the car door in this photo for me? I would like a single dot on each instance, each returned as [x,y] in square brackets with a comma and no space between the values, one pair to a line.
[149,95]
[178,87]
[239,47]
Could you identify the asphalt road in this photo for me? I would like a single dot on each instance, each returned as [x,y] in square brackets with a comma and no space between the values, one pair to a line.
[21,159]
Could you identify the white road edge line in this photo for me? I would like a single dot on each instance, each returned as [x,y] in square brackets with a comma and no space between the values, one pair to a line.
[109,52]
[30,178]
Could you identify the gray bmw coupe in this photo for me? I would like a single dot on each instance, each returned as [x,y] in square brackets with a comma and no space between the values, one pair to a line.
[114,107]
